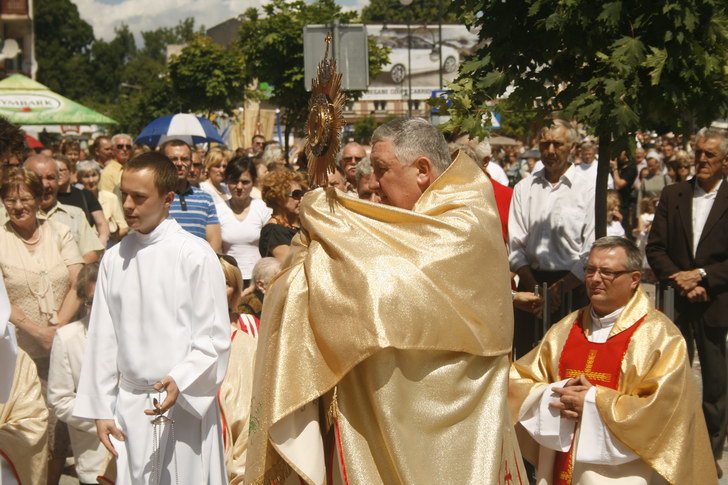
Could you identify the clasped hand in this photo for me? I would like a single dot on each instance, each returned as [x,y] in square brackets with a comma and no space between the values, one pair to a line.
[572,395]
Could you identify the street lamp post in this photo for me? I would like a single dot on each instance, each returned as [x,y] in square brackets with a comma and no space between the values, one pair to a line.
[406,3]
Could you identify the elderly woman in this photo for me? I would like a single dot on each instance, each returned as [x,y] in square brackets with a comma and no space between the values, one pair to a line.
[273,157]
[83,199]
[216,162]
[282,192]
[242,217]
[39,261]
[88,174]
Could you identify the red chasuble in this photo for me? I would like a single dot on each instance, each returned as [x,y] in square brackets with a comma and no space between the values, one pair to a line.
[600,363]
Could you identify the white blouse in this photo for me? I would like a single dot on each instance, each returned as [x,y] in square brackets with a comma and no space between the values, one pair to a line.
[240,238]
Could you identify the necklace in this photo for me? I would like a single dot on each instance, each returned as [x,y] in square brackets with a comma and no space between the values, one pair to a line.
[28,241]
[283,223]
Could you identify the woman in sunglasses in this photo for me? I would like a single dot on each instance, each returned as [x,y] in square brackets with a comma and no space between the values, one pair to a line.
[282,192]
[241,217]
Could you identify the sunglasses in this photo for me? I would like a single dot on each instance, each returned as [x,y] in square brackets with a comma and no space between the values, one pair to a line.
[123,147]
[349,159]
[296,194]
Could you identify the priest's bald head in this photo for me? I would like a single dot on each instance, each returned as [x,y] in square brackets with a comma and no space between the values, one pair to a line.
[147,190]
[612,273]
[407,156]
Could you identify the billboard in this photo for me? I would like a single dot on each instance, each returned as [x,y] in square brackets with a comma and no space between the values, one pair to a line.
[422,61]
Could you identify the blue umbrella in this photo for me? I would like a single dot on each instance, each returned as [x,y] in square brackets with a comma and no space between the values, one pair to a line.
[190,128]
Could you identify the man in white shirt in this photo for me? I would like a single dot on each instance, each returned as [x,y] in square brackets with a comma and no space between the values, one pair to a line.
[551,227]
[688,249]
[158,341]
[608,395]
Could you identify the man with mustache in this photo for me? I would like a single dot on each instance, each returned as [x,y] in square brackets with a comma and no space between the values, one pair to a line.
[608,395]
[72,217]
[551,227]
[688,249]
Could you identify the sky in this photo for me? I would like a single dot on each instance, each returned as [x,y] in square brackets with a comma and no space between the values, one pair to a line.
[139,15]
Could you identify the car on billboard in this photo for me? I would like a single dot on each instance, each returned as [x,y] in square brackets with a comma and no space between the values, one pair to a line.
[424,58]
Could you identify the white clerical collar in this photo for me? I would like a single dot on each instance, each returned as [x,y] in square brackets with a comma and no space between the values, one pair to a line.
[607,320]
[157,233]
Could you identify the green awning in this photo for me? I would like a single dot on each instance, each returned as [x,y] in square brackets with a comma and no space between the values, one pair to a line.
[26,102]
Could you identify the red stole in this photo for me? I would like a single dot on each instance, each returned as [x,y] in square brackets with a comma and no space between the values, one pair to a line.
[600,363]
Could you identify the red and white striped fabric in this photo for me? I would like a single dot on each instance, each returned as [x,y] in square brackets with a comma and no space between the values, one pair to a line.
[249,324]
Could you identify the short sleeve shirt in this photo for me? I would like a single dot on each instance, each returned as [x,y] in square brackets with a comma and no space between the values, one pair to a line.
[194,210]
[274,235]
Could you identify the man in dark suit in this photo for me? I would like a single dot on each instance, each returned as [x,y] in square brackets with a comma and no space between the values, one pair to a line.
[688,247]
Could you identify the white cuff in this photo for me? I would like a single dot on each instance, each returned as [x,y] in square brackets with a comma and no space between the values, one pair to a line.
[544,423]
[596,444]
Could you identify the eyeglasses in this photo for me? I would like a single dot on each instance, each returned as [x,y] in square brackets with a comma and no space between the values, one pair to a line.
[10,202]
[296,194]
[349,159]
[228,259]
[123,147]
[607,275]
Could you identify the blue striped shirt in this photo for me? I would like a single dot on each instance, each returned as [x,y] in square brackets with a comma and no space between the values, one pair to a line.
[194,210]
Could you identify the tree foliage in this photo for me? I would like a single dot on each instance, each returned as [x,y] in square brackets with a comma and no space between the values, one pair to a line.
[615,65]
[272,44]
[207,77]
[62,44]
[418,12]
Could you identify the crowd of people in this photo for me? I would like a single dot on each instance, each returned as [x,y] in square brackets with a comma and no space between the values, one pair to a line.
[93,250]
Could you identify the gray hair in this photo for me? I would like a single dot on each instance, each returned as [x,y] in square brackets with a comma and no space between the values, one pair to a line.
[715,133]
[483,150]
[271,154]
[363,169]
[468,150]
[414,138]
[265,269]
[119,136]
[571,133]
[87,166]
[634,256]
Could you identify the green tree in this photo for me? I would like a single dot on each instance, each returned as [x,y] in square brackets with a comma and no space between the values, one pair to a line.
[418,12]
[363,129]
[272,45]
[207,77]
[62,44]
[615,65]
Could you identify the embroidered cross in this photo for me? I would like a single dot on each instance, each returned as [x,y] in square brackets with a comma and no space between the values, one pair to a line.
[596,376]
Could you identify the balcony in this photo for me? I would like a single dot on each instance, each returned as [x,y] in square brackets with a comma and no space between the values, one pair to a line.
[13,7]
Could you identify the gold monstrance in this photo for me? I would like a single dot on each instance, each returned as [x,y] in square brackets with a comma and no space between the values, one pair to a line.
[325,119]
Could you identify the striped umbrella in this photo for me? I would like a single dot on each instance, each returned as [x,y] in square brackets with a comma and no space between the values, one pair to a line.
[190,128]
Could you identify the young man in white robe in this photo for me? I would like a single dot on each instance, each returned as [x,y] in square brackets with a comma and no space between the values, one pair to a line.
[158,341]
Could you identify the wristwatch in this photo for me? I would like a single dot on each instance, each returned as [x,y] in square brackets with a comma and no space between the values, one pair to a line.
[703,274]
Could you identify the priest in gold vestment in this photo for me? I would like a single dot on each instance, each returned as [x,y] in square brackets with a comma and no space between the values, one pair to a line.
[23,414]
[383,354]
[608,396]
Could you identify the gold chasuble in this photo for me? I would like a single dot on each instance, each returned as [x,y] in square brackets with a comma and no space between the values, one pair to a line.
[655,409]
[383,354]
[24,425]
